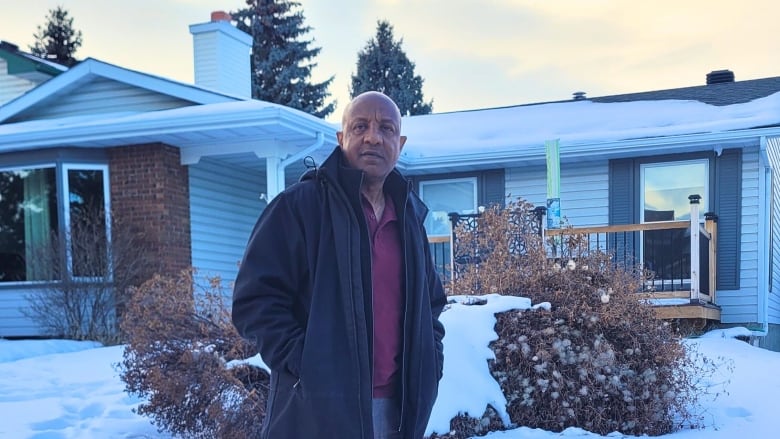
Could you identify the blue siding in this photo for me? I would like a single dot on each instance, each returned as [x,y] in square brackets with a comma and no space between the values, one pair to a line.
[773,301]
[584,190]
[101,96]
[224,206]
[13,322]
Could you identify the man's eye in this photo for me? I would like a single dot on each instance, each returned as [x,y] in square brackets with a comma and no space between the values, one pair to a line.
[388,128]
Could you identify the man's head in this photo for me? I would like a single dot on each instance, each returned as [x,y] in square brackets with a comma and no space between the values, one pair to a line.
[370,135]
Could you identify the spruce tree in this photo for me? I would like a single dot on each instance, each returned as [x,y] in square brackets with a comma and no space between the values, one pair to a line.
[383,66]
[281,61]
[57,40]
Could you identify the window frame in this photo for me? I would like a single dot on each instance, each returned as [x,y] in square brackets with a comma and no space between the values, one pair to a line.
[66,207]
[473,180]
[61,170]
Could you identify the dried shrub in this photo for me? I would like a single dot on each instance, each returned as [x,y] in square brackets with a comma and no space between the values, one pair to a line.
[184,358]
[597,358]
[88,276]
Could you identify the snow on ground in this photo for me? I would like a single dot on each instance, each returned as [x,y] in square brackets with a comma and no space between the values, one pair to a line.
[58,389]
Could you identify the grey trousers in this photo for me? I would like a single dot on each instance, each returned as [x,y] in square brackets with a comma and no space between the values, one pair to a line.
[387,418]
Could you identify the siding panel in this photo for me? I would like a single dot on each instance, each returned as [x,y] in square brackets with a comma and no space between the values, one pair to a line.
[773,305]
[101,96]
[224,207]
[584,190]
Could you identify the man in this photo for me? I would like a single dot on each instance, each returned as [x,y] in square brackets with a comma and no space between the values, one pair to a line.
[337,289]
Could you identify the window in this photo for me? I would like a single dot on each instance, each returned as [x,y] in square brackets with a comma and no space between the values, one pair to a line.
[28,218]
[87,221]
[445,196]
[35,205]
[664,192]
[666,187]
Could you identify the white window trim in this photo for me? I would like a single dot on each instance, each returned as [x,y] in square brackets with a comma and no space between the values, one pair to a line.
[702,209]
[705,196]
[66,210]
[472,180]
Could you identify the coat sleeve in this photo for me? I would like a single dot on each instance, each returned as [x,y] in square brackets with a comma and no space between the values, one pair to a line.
[438,300]
[265,306]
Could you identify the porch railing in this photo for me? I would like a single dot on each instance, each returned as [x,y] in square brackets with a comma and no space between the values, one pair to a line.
[681,255]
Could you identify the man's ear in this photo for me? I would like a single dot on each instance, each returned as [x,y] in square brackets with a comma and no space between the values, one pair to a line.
[403,142]
[340,137]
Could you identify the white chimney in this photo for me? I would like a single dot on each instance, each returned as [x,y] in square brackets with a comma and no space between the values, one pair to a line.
[222,56]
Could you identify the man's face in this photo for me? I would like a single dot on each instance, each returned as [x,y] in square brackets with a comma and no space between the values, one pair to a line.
[371,135]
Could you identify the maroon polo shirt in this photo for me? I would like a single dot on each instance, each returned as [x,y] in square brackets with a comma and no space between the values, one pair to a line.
[387,286]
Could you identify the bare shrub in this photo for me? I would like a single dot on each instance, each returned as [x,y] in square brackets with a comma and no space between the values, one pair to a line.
[178,358]
[598,358]
[86,275]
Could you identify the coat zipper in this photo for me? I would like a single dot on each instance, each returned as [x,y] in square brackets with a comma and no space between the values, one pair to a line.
[404,353]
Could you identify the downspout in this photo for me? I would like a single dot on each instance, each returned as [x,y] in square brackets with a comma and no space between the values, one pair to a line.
[306,151]
[281,164]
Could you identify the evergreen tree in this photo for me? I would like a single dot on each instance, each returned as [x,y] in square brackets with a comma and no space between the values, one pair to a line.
[282,62]
[383,66]
[57,40]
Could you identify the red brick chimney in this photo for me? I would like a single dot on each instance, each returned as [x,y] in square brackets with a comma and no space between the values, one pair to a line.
[220,16]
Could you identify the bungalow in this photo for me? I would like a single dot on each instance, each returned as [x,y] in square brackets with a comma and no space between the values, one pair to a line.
[629,163]
[194,165]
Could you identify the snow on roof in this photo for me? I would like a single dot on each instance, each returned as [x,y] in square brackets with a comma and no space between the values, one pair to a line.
[576,122]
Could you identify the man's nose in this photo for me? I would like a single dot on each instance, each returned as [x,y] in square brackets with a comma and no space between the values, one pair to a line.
[372,134]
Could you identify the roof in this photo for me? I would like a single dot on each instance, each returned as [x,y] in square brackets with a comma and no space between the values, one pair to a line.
[90,68]
[724,93]
[21,63]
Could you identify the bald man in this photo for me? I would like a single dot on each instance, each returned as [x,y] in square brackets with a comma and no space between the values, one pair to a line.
[338,290]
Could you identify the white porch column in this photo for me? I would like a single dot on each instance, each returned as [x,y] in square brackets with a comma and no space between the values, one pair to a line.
[694,199]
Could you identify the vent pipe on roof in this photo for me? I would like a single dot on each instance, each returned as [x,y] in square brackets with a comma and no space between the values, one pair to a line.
[720,76]
[579,95]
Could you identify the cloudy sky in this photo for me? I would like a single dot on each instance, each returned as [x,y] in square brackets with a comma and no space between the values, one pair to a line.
[472,54]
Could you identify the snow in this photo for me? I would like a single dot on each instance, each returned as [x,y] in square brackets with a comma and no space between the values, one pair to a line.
[580,122]
[59,389]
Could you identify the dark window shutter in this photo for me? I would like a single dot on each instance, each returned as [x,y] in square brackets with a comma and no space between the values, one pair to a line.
[622,193]
[493,190]
[728,188]
[623,206]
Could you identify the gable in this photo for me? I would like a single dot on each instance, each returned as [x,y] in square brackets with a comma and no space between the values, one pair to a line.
[94,87]
[12,86]
[98,95]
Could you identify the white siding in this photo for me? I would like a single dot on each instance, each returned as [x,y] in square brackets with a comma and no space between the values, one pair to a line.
[584,190]
[773,305]
[224,206]
[101,96]
[12,86]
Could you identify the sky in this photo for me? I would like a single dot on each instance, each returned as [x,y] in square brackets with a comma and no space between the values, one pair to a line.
[471,54]
[59,389]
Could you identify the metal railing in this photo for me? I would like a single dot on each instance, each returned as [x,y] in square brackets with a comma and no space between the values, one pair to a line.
[683,264]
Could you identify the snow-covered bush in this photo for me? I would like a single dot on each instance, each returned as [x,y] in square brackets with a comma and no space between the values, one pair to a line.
[177,359]
[598,358]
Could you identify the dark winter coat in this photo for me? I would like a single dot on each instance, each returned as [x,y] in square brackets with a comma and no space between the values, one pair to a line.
[303,294]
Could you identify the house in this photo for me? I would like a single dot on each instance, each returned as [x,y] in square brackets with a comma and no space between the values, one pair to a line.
[631,159]
[194,165]
[190,165]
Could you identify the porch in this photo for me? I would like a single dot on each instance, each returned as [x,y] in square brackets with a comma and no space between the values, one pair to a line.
[683,265]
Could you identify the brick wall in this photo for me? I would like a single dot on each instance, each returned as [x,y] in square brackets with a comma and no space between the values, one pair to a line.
[150,196]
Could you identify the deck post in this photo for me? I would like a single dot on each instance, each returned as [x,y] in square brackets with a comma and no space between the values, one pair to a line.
[711,225]
[694,199]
